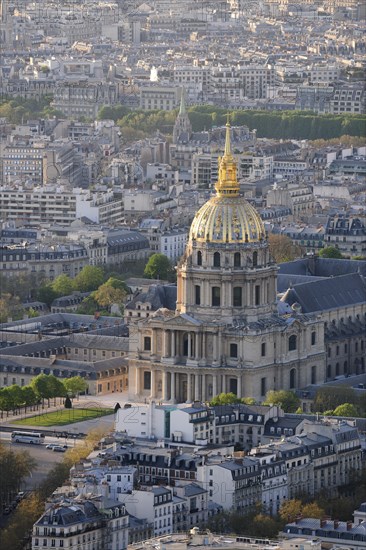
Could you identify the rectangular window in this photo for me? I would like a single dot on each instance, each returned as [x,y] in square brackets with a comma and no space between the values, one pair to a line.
[147,343]
[313,338]
[147,380]
[216,296]
[237,296]
[233,350]
[263,386]
[263,349]
[197,290]
[257,295]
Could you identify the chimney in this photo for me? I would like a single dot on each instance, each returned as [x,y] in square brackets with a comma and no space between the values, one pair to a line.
[349,525]
[336,523]
[323,523]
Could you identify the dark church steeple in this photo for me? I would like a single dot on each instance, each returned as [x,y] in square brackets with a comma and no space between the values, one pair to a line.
[182,127]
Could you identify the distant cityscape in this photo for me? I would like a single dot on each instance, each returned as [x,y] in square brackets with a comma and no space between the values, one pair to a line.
[183,240]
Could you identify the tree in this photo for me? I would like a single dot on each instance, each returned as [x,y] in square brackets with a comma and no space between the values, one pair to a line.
[224,399]
[115,282]
[89,278]
[158,267]
[248,401]
[330,252]
[16,396]
[330,397]
[5,401]
[290,509]
[68,403]
[107,295]
[29,397]
[312,510]
[15,466]
[88,306]
[46,294]
[75,385]
[63,285]
[287,400]
[282,248]
[347,409]
[47,386]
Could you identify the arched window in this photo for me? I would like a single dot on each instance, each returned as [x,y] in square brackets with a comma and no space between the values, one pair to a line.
[237,259]
[216,259]
[255,259]
[292,379]
[199,258]
[313,338]
[292,342]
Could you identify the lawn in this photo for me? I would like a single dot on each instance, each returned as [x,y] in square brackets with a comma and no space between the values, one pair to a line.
[63,417]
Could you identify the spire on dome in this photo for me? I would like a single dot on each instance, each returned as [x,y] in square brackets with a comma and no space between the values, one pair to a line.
[227,183]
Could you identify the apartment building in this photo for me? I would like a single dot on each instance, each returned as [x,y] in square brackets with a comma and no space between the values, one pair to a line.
[83,97]
[347,233]
[80,523]
[163,98]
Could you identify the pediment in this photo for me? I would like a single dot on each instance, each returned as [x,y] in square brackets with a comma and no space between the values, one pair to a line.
[183,320]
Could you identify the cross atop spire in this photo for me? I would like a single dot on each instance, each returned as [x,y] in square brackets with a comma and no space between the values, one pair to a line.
[227,184]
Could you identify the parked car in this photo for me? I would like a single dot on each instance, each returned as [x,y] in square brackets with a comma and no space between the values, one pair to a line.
[59,448]
[52,446]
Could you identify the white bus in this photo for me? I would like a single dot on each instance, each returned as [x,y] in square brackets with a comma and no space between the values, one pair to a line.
[34,438]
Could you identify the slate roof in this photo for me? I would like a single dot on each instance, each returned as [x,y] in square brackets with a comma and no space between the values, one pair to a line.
[328,293]
[159,296]
[322,267]
[287,280]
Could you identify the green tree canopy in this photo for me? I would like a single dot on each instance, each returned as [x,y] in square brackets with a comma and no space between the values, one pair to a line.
[330,252]
[224,399]
[47,386]
[29,396]
[89,278]
[63,285]
[46,294]
[347,409]
[158,267]
[330,397]
[287,400]
[75,385]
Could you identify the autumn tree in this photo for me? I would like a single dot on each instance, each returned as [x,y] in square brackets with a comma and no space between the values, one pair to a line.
[312,510]
[286,399]
[107,295]
[282,249]
[15,466]
[290,509]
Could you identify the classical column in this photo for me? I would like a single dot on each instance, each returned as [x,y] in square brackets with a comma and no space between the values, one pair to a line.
[238,387]
[164,344]
[196,387]
[215,347]
[204,389]
[214,385]
[137,381]
[153,342]
[189,345]
[164,393]
[197,346]
[152,380]
[189,388]
[172,386]
[223,383]
[172,342]
[204,352]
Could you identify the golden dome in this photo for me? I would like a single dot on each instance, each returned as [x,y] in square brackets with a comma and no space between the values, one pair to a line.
[227,217]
